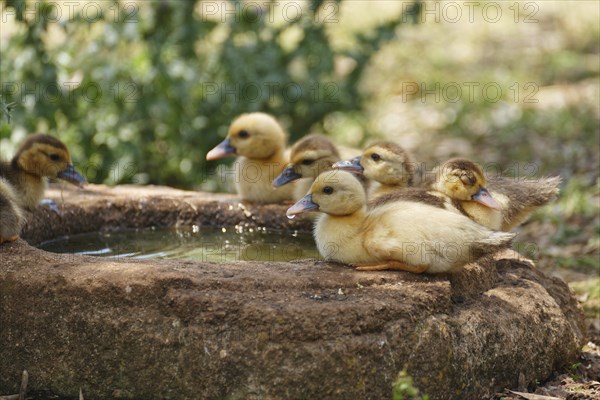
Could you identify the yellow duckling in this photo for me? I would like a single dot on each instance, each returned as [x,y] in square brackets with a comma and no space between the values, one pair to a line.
[39,157]
[386,163]
[401,235]
[11,216]
[259,142]
[310,156]
[506,204]
[464,182]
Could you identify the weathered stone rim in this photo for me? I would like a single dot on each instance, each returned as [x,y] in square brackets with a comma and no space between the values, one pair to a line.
[172,329]
[98,207]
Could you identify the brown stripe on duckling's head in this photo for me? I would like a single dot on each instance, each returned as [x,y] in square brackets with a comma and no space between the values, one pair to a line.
[465,170]
[388,163]
[312,155]
[43,155]
[464,180]
[41,138]
[314,142]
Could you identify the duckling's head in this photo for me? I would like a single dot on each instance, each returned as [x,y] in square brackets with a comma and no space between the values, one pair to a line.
[45,156]
[254,135]
[383,162]
[333,192]
[462,179]
[310,156]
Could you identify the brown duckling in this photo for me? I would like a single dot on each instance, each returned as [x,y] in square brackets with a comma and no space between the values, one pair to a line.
[402,235]
[259,142]
[11,216]
[41,156]
[506,204]
[387,163]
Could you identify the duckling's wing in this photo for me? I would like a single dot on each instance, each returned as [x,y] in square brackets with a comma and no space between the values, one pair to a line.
[421,196]
[422,235]
[418,195]
[402,231]
[522,196]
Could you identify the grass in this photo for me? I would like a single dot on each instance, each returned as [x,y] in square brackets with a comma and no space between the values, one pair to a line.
[588,292]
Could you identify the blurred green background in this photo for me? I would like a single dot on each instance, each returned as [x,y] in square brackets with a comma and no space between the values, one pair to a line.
[141,90]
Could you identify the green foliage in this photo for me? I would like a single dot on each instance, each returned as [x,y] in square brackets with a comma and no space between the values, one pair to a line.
[141,91]
[404,389]
[6,110]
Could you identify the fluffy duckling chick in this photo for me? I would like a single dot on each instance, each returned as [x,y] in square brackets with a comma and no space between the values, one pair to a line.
[259,142]
[310,156]
[506,204]
[11,216]
[401,235]
[41,156]
[386,163]
[464,182]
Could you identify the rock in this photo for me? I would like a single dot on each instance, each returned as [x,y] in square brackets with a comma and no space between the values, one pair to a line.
[142,329]
[99,207]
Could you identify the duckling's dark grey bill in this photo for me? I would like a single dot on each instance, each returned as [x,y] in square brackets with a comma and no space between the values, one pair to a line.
[71,175]
[303,205]
[286,176]
[223,149]
[352,165]
[484,197]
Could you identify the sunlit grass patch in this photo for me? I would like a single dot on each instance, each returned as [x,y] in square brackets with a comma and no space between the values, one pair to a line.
[588,293]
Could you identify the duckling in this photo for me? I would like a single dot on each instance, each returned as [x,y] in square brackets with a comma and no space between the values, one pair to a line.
[386,163]
[506,204]
[11,216]
[259,142]
[464,182]
[41,156]
[310,156]
[399,235]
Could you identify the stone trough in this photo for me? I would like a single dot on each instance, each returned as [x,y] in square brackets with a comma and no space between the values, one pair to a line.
[140,329]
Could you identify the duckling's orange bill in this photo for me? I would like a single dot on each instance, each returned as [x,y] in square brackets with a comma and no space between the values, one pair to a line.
[223,149]
[352,165]
[286,176]
[71,175]
[303,205]
[484,197]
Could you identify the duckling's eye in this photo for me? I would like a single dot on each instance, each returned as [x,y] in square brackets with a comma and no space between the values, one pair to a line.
[375,157]
[243,134]
[307,161]
[327,190]
[467,180]
[54,157]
